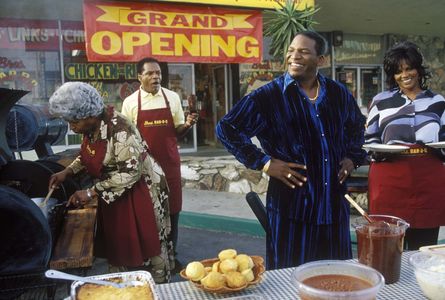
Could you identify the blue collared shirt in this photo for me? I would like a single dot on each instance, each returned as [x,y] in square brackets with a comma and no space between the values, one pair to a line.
[293,129]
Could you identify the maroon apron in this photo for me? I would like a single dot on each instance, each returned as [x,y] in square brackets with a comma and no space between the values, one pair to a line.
[158,130]
[127,234]
[411,187]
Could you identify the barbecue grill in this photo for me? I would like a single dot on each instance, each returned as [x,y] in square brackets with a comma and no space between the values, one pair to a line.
[29,127]
[28,238]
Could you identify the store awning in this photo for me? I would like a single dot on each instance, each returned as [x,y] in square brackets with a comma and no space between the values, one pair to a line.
[263,4]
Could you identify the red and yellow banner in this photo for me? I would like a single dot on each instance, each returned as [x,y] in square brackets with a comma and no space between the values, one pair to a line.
[122,31]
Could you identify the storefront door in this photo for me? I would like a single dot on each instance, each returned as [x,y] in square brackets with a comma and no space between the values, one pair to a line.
[219,94]
[363,82]
[181,79]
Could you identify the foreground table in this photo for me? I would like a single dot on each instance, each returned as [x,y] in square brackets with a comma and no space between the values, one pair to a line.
[277,284]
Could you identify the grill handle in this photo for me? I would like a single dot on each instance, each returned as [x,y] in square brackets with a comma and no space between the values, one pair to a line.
[258,209]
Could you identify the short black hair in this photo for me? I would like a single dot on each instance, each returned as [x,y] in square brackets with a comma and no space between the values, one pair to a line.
[321,45]
[410,53]
[142,62]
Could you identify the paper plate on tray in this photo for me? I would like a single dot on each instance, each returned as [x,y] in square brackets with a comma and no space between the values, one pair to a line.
[385,148]
[438,145]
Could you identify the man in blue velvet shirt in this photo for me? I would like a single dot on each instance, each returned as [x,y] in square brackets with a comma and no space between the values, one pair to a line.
[311,132]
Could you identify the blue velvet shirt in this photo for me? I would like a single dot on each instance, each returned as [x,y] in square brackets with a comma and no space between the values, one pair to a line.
[291,128]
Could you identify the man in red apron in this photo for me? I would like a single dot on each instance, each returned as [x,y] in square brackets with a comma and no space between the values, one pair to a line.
[160,119]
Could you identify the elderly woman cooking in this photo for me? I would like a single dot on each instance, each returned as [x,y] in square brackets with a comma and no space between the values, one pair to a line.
[133,214]
[409,184]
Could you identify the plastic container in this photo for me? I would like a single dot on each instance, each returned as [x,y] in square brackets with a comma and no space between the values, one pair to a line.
[337,267]
[430,274]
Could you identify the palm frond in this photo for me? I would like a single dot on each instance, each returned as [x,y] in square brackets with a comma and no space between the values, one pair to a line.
[283,23]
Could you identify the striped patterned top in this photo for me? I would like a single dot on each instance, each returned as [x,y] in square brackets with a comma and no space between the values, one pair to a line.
[395,119]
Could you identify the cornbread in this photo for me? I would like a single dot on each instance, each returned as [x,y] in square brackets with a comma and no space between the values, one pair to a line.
[235,279]
[244,262]
[103,292]
[227,253]
[213,280]
[195,271]
[228,265]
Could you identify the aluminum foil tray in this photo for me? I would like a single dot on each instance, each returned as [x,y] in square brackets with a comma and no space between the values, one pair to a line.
[143,276]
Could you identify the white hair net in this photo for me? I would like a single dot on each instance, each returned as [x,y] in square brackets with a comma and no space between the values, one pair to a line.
[75,101]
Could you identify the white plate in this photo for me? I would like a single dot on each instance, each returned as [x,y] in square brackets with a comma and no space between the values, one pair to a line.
[384,148]
[438,145]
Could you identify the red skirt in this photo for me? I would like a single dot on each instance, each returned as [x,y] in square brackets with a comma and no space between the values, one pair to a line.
[409,187]
[126,228]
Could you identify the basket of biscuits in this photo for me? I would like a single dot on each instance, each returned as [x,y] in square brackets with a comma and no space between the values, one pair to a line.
[229,272]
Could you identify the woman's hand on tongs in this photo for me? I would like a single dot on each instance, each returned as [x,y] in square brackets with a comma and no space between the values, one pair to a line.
[79,199]
[57,178]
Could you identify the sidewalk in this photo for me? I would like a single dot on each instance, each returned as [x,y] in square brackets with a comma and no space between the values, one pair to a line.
[219,211]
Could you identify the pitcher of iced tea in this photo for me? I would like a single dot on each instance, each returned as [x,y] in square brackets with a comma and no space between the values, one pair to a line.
[380,244]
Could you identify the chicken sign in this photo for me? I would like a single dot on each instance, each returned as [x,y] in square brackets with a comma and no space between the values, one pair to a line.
[173,33]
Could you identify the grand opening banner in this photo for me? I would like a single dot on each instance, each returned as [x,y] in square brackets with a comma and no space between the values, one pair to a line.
[125,31]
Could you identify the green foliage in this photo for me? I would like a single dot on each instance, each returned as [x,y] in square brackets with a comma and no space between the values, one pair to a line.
[283,23]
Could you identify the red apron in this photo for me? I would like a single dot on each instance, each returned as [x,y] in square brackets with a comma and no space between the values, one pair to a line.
[158,130]
[411,187]
[127,234]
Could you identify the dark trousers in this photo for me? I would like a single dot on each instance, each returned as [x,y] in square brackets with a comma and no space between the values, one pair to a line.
[418,237]
[290,243]
[174,220]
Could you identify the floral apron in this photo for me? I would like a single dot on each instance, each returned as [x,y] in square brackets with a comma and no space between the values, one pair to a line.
[127,234]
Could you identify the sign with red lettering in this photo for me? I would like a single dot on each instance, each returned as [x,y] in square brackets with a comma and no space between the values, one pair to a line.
[40,35]
[128,31]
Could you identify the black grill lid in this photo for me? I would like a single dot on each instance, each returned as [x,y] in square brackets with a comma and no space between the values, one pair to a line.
[8,98]
[26,245]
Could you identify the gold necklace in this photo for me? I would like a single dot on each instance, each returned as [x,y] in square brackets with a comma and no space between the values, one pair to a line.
[316,95]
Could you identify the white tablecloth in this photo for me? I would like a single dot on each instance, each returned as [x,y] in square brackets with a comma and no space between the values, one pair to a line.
[277,285]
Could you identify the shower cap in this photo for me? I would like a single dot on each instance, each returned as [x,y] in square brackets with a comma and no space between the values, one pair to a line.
[76,101]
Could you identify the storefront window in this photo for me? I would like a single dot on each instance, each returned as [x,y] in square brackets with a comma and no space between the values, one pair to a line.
[364,82]
[34,71]
[360,50]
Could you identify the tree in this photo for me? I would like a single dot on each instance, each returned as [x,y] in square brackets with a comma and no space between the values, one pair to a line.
[283,23]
